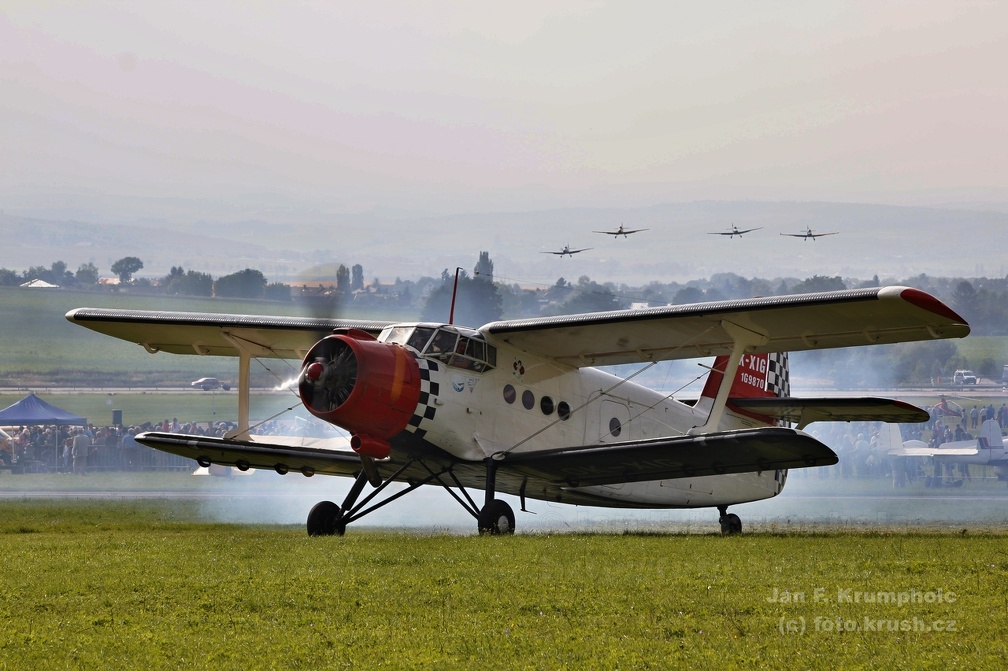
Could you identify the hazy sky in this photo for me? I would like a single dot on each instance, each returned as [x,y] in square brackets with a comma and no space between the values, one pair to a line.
[226,110]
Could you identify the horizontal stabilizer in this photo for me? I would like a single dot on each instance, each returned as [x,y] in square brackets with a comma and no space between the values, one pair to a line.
[804,411]
[744,451]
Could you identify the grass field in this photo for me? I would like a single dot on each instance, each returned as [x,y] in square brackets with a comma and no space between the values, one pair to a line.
[153,585]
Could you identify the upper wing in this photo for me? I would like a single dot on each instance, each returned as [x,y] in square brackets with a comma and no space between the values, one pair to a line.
[744,451]
[783,323]
[215,334]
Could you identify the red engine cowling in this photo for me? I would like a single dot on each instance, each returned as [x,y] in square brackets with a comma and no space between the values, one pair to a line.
[367,387]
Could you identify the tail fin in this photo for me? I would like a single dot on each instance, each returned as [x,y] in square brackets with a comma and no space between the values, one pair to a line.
[758,376]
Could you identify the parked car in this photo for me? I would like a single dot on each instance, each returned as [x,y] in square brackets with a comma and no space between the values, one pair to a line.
[964,377]
[209,383]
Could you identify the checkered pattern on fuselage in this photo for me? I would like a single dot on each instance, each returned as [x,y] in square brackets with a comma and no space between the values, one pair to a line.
[778,380]
[428,391]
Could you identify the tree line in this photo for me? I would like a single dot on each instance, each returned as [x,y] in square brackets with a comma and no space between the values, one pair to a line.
[480,299]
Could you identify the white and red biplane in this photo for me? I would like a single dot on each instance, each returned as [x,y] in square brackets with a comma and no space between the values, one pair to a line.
[519,407]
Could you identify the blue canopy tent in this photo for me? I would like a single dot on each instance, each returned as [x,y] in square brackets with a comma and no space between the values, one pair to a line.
[33,411]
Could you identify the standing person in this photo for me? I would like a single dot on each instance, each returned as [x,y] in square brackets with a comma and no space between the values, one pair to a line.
[81,448]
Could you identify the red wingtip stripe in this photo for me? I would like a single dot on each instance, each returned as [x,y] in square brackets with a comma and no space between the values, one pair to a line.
[928,302]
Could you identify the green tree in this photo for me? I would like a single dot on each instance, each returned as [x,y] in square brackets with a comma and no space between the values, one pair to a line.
[9,278]
[87,274]
[818,283]
[966,301]
[180,282]
[357,277]
[484,267]
[477,302]
[246,283]
[277,291]
[126,267]
[342,278]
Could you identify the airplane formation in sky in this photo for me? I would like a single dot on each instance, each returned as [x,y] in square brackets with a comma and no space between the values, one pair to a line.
[808,234]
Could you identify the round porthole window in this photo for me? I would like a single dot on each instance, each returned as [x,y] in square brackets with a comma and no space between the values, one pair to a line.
[546,405]
[564,410]
[615,427]
[509,394]
[528,399]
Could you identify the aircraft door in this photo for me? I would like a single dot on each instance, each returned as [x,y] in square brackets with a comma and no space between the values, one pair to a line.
[614,422]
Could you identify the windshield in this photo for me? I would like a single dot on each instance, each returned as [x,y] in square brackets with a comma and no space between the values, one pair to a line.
[461,348]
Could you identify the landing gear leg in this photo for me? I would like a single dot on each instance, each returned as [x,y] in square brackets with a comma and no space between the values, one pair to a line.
[731,525]
[495,517]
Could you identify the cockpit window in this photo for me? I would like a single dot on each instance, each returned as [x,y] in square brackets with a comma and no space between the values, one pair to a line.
[397,334]
[455,346]
[418,340]
[443,343]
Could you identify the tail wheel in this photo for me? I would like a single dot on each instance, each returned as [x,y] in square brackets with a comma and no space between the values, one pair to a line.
[731,524]
[496,518]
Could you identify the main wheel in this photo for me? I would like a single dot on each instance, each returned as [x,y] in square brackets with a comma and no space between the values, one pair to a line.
[496,518]
[325,520]
[731,525]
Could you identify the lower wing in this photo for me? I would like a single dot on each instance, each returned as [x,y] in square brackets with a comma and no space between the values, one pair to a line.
[743,451]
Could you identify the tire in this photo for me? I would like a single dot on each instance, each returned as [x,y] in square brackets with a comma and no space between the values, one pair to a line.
[324,520]
[731,525]
[497,519]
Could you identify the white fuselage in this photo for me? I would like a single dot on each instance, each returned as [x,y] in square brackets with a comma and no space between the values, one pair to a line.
[528,404]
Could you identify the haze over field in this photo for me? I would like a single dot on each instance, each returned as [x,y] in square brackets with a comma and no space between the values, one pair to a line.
[408,138]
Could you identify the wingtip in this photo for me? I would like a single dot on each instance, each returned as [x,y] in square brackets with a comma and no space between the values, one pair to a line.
[926,301]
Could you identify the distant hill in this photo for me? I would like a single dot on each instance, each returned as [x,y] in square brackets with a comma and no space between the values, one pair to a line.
[892,242]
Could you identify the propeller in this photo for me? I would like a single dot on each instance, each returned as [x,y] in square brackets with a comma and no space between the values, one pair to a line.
[329,379]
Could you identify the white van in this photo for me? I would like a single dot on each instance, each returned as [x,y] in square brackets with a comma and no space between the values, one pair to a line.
[964,377]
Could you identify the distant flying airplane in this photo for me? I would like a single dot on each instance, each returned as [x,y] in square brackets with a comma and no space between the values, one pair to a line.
[808,234]
[520,407]
[567,251]
[735,231]
[622,231]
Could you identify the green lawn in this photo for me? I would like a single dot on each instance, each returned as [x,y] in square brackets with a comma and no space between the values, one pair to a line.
[152,585]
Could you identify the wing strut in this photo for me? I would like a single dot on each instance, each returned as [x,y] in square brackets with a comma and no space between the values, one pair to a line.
[742,339]
[244,388]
